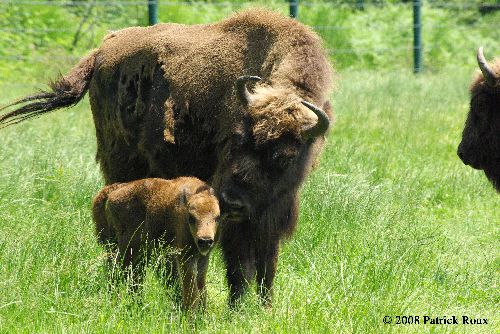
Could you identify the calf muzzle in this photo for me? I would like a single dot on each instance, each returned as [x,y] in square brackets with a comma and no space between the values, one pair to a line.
[204,245]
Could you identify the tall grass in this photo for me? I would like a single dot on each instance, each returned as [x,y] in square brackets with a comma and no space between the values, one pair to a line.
[391,223]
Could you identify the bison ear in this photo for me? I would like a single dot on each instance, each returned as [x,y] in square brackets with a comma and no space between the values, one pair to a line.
[242,130]
[328,109]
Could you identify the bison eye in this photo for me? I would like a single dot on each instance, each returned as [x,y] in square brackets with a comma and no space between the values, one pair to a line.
[281,160]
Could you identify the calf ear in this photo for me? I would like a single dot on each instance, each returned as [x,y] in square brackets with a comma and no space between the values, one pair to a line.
[183,198]
[211,191]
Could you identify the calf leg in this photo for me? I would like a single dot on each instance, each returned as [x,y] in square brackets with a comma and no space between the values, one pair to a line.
[190,293]
[200,280]
[170,277]
[133,259]
[267,259]
[133,268]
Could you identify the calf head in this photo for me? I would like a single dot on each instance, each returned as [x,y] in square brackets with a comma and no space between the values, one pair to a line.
[480,145]
[202,212]
[274,143]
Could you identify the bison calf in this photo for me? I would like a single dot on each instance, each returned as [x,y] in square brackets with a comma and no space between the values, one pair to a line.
[182,213]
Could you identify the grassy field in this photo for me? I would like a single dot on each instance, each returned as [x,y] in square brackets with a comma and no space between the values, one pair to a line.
[391,224]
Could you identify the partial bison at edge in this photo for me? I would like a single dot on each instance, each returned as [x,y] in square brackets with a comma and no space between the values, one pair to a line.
[480,145]
[241,104]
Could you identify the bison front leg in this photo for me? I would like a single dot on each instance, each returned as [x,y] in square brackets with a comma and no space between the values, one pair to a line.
[239,256]
[267,259]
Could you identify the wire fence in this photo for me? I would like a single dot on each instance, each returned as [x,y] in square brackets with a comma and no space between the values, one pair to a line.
[355,34]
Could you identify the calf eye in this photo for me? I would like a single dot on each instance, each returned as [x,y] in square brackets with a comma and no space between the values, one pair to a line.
[192,221]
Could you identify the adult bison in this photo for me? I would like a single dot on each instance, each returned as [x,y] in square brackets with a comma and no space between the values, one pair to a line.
[174,100]
[480,146]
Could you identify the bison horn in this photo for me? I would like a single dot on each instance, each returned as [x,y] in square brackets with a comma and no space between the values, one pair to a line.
[320,127]
[241,87]
[489,75]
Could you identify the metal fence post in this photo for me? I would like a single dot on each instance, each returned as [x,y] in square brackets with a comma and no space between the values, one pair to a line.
[294,8]
[153,12]
[417,36]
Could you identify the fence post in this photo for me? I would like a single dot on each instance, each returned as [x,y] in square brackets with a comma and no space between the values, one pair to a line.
[294,8]
[417,36]
[153,12]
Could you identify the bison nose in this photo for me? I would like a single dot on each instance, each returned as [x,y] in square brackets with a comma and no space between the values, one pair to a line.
[232,206]
[460,153]
[469,159]
[205,243]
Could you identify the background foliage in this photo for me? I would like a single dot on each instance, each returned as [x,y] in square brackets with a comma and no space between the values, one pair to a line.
[36,38]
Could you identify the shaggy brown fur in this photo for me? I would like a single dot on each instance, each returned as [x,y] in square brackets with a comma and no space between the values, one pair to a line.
[480,145]
[182,213]
[165,105]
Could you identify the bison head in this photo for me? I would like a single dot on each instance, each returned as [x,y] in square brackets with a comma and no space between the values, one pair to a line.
[480,145]
[276,138]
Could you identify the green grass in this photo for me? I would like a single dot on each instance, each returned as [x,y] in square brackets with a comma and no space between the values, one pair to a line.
[391,223]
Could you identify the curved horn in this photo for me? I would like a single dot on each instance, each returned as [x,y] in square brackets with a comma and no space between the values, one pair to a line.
[320,127]
[241,87]
[489,75]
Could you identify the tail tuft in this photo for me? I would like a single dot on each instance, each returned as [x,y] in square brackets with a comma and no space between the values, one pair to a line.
[64,92]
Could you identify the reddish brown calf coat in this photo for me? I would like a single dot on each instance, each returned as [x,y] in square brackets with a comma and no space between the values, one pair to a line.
[182,213]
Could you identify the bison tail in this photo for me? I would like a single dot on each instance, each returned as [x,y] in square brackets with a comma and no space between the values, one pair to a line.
[64,92]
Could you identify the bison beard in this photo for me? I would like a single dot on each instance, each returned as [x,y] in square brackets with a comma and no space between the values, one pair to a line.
[480,145]
[241,104]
